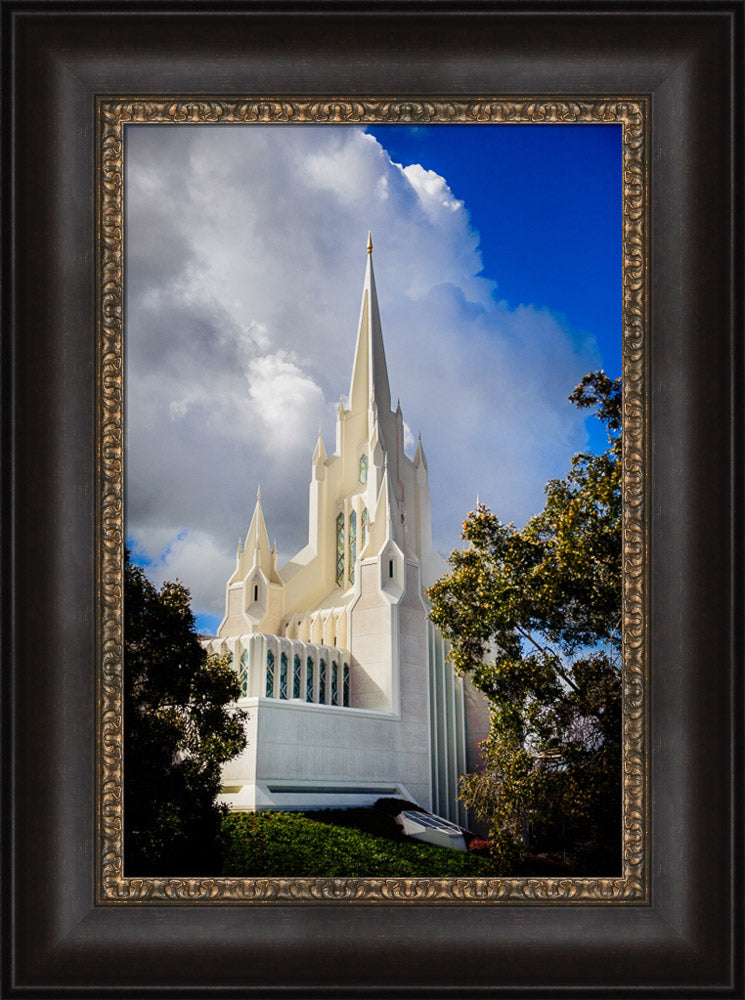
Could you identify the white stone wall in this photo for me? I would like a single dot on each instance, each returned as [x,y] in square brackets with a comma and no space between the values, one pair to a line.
[414,688]
[311,756]
[447,715]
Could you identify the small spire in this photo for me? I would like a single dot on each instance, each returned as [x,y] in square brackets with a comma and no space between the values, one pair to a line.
[258,493]
[257,538]
[419,457]
[369,242]
[319,452]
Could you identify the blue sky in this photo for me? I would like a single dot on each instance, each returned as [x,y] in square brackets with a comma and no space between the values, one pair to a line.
[498,265]
[546,202]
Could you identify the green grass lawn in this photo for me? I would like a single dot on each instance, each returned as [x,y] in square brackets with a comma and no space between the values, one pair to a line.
[294,845]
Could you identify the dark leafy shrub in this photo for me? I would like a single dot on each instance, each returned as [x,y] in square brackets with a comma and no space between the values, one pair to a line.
[293,845]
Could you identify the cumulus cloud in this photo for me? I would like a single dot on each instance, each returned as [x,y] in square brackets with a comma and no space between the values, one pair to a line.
[194,558]
[245,254]
[286,400]
[433,191]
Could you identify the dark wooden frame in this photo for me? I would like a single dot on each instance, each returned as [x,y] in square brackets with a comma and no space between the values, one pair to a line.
[688,57]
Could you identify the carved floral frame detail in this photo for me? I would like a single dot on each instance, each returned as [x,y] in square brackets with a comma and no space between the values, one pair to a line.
[112,116]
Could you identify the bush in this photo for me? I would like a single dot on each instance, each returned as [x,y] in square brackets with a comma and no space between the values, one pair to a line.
[274,844]
[363,818]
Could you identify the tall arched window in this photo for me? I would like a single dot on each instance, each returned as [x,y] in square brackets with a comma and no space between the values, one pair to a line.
[270,674]
[363,469]
[243,673]
[352,544]
[322,682]
[345,687]
[309,679]
[296,677]
[364,528]
[334,682]
[340,550]
[283,676]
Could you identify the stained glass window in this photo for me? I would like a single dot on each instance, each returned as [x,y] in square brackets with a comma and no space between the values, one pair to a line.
[243,673]
[352,544]
[334,682]
[340,550]
[296,677]
[322,682]
[270,674]
[364,527]
[363,469]
[283,676]
[309,679]
[345,687]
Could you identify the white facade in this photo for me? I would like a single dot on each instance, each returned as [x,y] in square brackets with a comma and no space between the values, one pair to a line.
[345,681]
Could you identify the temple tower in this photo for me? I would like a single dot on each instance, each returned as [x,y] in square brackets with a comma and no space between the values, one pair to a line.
[349,691]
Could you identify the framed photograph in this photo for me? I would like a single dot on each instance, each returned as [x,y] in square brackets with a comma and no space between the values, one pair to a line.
[352,706]
[133,355]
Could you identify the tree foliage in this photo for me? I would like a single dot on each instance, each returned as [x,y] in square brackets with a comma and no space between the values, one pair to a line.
[180,726]
[534,617]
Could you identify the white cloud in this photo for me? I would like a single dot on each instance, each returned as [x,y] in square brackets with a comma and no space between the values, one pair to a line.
[197,561]
[432,189]
[285,399]
[245,259]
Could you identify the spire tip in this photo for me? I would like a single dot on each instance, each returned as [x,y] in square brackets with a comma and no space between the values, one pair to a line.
[369,242]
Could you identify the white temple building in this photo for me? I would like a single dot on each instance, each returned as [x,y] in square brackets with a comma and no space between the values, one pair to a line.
[345,681]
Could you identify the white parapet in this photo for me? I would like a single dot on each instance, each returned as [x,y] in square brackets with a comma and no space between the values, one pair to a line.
[272,666]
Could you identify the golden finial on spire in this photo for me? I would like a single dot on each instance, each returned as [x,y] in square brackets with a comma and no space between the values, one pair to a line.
[369,242]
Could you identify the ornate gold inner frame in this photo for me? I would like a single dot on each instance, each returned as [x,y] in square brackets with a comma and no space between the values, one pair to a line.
[112,117]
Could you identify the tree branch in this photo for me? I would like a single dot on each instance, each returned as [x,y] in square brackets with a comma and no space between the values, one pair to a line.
[547,651]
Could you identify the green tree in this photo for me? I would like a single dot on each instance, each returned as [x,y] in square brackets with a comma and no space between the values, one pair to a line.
[180,725]
[534,617]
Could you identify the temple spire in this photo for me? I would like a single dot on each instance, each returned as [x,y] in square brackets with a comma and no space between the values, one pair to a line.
[420,459]
[370,372]
[319,453]
[257,539]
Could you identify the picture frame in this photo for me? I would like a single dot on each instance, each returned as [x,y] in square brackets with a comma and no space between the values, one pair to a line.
[115,120]
[685,936]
